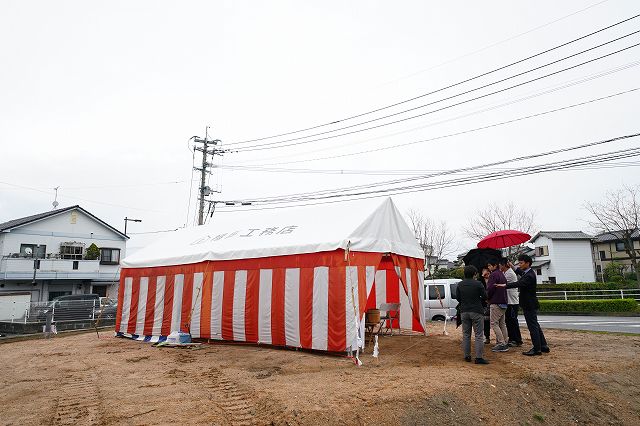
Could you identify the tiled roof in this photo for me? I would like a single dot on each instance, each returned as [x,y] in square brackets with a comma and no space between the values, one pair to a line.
[562,235]
[614,236]
[28,219]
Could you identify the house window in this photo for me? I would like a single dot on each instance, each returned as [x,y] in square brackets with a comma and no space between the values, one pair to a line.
[620,246]
[109,256]
[552,280]
[71,251]
[598,268]
[603,255]
[542,251]
[75,265]
[538,271]
[33,250]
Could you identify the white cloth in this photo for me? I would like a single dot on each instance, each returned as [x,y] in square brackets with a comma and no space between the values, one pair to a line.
[513,295]
[362,226]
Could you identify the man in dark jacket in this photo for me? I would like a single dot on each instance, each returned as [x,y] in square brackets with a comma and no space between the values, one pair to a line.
[529,303]
[470,294]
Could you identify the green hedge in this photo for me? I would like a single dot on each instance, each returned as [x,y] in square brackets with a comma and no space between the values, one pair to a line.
[588,286]
[600,305]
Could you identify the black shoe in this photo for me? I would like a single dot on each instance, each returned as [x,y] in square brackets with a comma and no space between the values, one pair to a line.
[467,358]
[481,361]
[531,352]
[545,349]
[487,341]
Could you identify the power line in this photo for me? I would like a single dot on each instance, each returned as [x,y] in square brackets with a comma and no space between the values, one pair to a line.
[502,123]
[333,191]
[440,89]
[277,144]
[546,91]
[153,232]
[80,199]
[273,146]
[499,42]
[381,172]
[543,168]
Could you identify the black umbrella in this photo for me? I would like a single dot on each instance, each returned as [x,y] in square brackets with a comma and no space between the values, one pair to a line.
[478,257]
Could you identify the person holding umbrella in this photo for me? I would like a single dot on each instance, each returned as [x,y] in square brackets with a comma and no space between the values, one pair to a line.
[508,238]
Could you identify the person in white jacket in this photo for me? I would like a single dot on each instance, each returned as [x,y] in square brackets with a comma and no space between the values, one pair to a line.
[513,302]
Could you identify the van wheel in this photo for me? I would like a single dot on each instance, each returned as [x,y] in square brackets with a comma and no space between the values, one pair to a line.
[437,318]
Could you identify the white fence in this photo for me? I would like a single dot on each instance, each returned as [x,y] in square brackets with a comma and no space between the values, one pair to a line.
[633,293]
[68,310]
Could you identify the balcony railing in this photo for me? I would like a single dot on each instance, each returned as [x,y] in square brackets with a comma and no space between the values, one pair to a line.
[20,268]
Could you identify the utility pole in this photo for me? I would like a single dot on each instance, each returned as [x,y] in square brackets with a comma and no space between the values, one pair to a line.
[126,219]
[208,148]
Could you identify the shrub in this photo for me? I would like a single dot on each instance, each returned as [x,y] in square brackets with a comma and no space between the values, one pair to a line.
[600,305]
[588,286]
[614,271]
[93,252]
[458,273]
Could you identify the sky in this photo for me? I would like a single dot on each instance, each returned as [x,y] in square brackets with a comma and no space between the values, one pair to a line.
[100,99]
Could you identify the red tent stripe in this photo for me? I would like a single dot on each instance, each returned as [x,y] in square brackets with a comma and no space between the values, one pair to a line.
[251,306]
[277,307]
[337,315]
[227,305]
[306,307]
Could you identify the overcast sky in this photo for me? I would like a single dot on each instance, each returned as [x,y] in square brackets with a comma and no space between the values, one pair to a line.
[100,98]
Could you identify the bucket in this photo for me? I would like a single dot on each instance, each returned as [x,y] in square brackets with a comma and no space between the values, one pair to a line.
[373,316]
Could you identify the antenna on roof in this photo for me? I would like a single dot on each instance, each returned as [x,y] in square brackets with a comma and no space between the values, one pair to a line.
[55,201]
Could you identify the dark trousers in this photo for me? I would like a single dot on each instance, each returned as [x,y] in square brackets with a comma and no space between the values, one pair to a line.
[537,336]
[513,327]
[487,328]
[472,320]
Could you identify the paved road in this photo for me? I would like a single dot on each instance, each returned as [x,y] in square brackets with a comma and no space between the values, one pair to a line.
[576,322]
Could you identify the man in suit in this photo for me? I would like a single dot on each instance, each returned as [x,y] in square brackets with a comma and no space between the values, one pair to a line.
[529,303]
[470,294]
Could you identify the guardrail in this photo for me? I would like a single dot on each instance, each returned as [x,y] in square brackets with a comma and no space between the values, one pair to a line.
[633,293]
[37,312]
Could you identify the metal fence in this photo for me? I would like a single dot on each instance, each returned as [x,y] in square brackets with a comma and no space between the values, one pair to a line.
[67,310]
[633,293]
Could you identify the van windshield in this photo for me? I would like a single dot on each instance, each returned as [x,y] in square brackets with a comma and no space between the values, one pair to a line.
[454,288]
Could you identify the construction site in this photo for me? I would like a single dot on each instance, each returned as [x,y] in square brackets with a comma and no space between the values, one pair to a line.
[588,378]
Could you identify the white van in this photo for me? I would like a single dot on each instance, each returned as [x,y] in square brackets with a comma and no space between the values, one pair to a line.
[440,298]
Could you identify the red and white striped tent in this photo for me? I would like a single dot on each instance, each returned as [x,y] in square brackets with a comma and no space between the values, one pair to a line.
[300,277]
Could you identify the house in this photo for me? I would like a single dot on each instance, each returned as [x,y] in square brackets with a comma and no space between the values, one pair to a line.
[44,255]
[562,257]
[445,264]
[609,246]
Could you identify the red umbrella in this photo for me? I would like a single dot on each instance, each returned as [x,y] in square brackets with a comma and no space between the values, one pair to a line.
[501,239]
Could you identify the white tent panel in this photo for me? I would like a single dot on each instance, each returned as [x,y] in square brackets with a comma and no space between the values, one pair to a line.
[363,226]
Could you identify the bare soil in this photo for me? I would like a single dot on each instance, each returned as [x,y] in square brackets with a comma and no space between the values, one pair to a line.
[587,378]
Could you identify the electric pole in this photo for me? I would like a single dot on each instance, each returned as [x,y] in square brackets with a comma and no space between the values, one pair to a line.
[208,148]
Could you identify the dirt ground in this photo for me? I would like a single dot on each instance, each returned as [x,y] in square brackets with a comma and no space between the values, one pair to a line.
[587,378]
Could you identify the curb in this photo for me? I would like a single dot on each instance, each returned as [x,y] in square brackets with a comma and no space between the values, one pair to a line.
[592,314]
[39,336]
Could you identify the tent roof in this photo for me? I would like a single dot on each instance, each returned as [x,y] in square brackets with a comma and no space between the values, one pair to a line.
[266,233]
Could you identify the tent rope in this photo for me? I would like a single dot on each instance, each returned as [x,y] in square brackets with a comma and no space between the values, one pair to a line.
[353,303]
[193,302]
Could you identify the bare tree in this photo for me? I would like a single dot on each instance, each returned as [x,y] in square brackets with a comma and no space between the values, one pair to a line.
[435,238]
[619,214]
[495,217]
